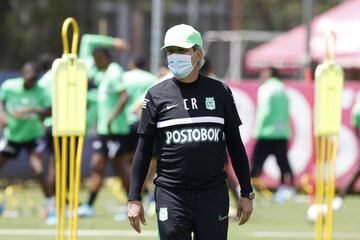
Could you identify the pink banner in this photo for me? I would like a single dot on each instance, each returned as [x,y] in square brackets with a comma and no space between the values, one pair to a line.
[301,151]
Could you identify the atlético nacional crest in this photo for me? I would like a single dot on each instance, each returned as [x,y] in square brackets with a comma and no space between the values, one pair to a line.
[210,103]
[163,214]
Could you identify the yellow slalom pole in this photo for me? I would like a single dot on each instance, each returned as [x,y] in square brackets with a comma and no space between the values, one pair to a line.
[71,185]
[59,229]
[317,187]
[330,54]
[320,189]
[331,189]
[80,146]
[64,35]
[63,179]
[327,183]
[329,78]
[69,117]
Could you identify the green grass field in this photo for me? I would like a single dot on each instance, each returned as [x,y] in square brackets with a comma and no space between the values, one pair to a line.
[269,221]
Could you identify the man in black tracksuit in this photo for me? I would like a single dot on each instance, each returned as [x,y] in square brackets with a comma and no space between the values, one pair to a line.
[193,119]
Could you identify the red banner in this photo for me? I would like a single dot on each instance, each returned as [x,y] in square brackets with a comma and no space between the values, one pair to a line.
[301,151]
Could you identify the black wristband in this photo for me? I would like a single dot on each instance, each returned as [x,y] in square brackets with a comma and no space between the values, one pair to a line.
[250,195]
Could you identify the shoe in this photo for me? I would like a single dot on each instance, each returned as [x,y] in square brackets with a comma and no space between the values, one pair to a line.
[51,219]
[86,210]
[284,193]
[260,188]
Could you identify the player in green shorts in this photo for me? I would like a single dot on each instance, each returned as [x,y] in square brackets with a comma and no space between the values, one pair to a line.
[112,127]
[23,104]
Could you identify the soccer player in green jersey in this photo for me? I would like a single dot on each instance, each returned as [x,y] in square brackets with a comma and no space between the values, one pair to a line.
[355,115]
[46,82]
[89,42]
[112,127]
[272,129]
[338,201]
[23,104]
[137,81]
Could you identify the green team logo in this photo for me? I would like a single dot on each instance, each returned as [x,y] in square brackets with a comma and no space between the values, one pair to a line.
[210,103]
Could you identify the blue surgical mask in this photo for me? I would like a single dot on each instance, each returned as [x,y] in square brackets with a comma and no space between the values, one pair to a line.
[180,65]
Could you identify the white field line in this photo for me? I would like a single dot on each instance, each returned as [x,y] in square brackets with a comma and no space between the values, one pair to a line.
[150,233]
[82,233]
[295,235]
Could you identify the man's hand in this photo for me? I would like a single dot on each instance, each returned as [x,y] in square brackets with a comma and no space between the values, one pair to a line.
[245,208]
[120,44]
[136,214]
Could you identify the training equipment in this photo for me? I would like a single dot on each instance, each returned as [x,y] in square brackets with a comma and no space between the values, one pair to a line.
[315,210]
[68,116]
[14,205]
[329,79]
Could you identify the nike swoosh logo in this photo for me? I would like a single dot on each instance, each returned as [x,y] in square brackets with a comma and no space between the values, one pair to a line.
[222,218]
[171,106]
